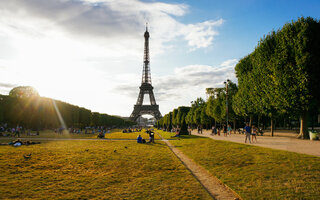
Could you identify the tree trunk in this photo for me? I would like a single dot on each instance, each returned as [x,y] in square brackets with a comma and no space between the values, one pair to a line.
[250,122]
[259,122]
[234,125]
[272,127]
[303,126]
[312,121]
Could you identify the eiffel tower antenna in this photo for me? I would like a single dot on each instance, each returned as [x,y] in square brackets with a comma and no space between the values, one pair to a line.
[146,87]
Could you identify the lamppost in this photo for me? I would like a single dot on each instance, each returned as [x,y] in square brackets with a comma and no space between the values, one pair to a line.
[227,110]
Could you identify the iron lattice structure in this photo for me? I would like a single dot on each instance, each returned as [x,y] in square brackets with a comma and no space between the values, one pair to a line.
[146,88]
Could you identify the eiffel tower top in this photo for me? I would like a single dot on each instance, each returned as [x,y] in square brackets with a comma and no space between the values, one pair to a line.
[146,75]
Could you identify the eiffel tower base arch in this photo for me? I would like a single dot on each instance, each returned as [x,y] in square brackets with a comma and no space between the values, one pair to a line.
[140,110]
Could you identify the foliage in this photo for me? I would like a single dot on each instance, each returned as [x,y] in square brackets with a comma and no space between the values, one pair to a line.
[23,91]
[281,75]
[216,104]
[36,112]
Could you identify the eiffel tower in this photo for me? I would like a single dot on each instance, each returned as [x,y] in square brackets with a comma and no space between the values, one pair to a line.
[146,88]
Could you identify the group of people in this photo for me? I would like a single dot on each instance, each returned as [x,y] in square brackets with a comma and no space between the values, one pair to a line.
[7,131]
[226,130]
[250,132]
[129,130]
[151,137]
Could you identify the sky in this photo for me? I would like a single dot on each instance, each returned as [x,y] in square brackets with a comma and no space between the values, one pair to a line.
[90,52]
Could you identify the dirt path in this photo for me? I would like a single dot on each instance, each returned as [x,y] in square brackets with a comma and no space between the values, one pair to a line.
[281,142]
[213,185]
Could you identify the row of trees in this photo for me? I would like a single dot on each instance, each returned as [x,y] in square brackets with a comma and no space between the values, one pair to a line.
[23,106]
[203,113]
[281,76]
[176,118]
[279,81]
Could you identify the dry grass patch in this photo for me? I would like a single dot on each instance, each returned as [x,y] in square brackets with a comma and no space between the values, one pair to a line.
[256,172]
[95,169]
[115,134]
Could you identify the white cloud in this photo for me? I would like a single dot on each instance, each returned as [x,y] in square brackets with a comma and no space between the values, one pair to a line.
[185,84]
[116,22]
[201,35]
[76,50]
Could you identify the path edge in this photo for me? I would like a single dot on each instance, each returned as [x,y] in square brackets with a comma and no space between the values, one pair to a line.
[238,197]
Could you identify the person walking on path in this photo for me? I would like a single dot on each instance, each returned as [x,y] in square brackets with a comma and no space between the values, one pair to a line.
[214,130]
[247,129]
[225,133]
[229,129]
[254,133]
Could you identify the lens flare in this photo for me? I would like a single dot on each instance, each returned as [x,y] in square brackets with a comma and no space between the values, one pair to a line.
[63,124]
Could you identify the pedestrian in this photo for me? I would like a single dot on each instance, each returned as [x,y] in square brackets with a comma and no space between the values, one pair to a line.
[254,133]
[225,130]
[214,130]
[247,130]
[229,129]
[151,136]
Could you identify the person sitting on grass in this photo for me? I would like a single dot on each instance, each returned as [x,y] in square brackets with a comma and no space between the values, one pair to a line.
[177,133]
[139,139]
[100,135]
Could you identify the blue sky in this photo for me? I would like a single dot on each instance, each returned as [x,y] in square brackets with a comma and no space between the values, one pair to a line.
[89,52]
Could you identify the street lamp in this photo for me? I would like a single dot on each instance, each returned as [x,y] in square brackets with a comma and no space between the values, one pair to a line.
[227,110]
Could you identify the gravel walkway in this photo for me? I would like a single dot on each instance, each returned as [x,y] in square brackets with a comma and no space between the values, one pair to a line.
[283,141]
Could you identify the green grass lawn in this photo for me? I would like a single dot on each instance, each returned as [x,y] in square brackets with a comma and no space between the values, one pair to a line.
[166,135]
[134,135]
[91,169]
[256,172]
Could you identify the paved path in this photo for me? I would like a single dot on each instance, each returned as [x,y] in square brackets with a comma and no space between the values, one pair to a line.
[277,142]
[213,185]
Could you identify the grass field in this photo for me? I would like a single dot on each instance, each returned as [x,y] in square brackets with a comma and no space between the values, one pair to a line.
[117,133]
[166,135]
[256,172]
[92,169]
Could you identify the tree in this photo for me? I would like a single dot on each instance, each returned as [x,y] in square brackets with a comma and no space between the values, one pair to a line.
[23,91]
[281,75]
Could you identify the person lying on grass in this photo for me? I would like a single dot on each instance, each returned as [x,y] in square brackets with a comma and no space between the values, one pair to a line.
[19,142]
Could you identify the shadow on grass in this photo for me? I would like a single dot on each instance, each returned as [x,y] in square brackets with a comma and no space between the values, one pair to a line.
[191,137]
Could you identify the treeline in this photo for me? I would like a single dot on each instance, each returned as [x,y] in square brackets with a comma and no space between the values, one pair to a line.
[35,112]
[176,118]
[278,81]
